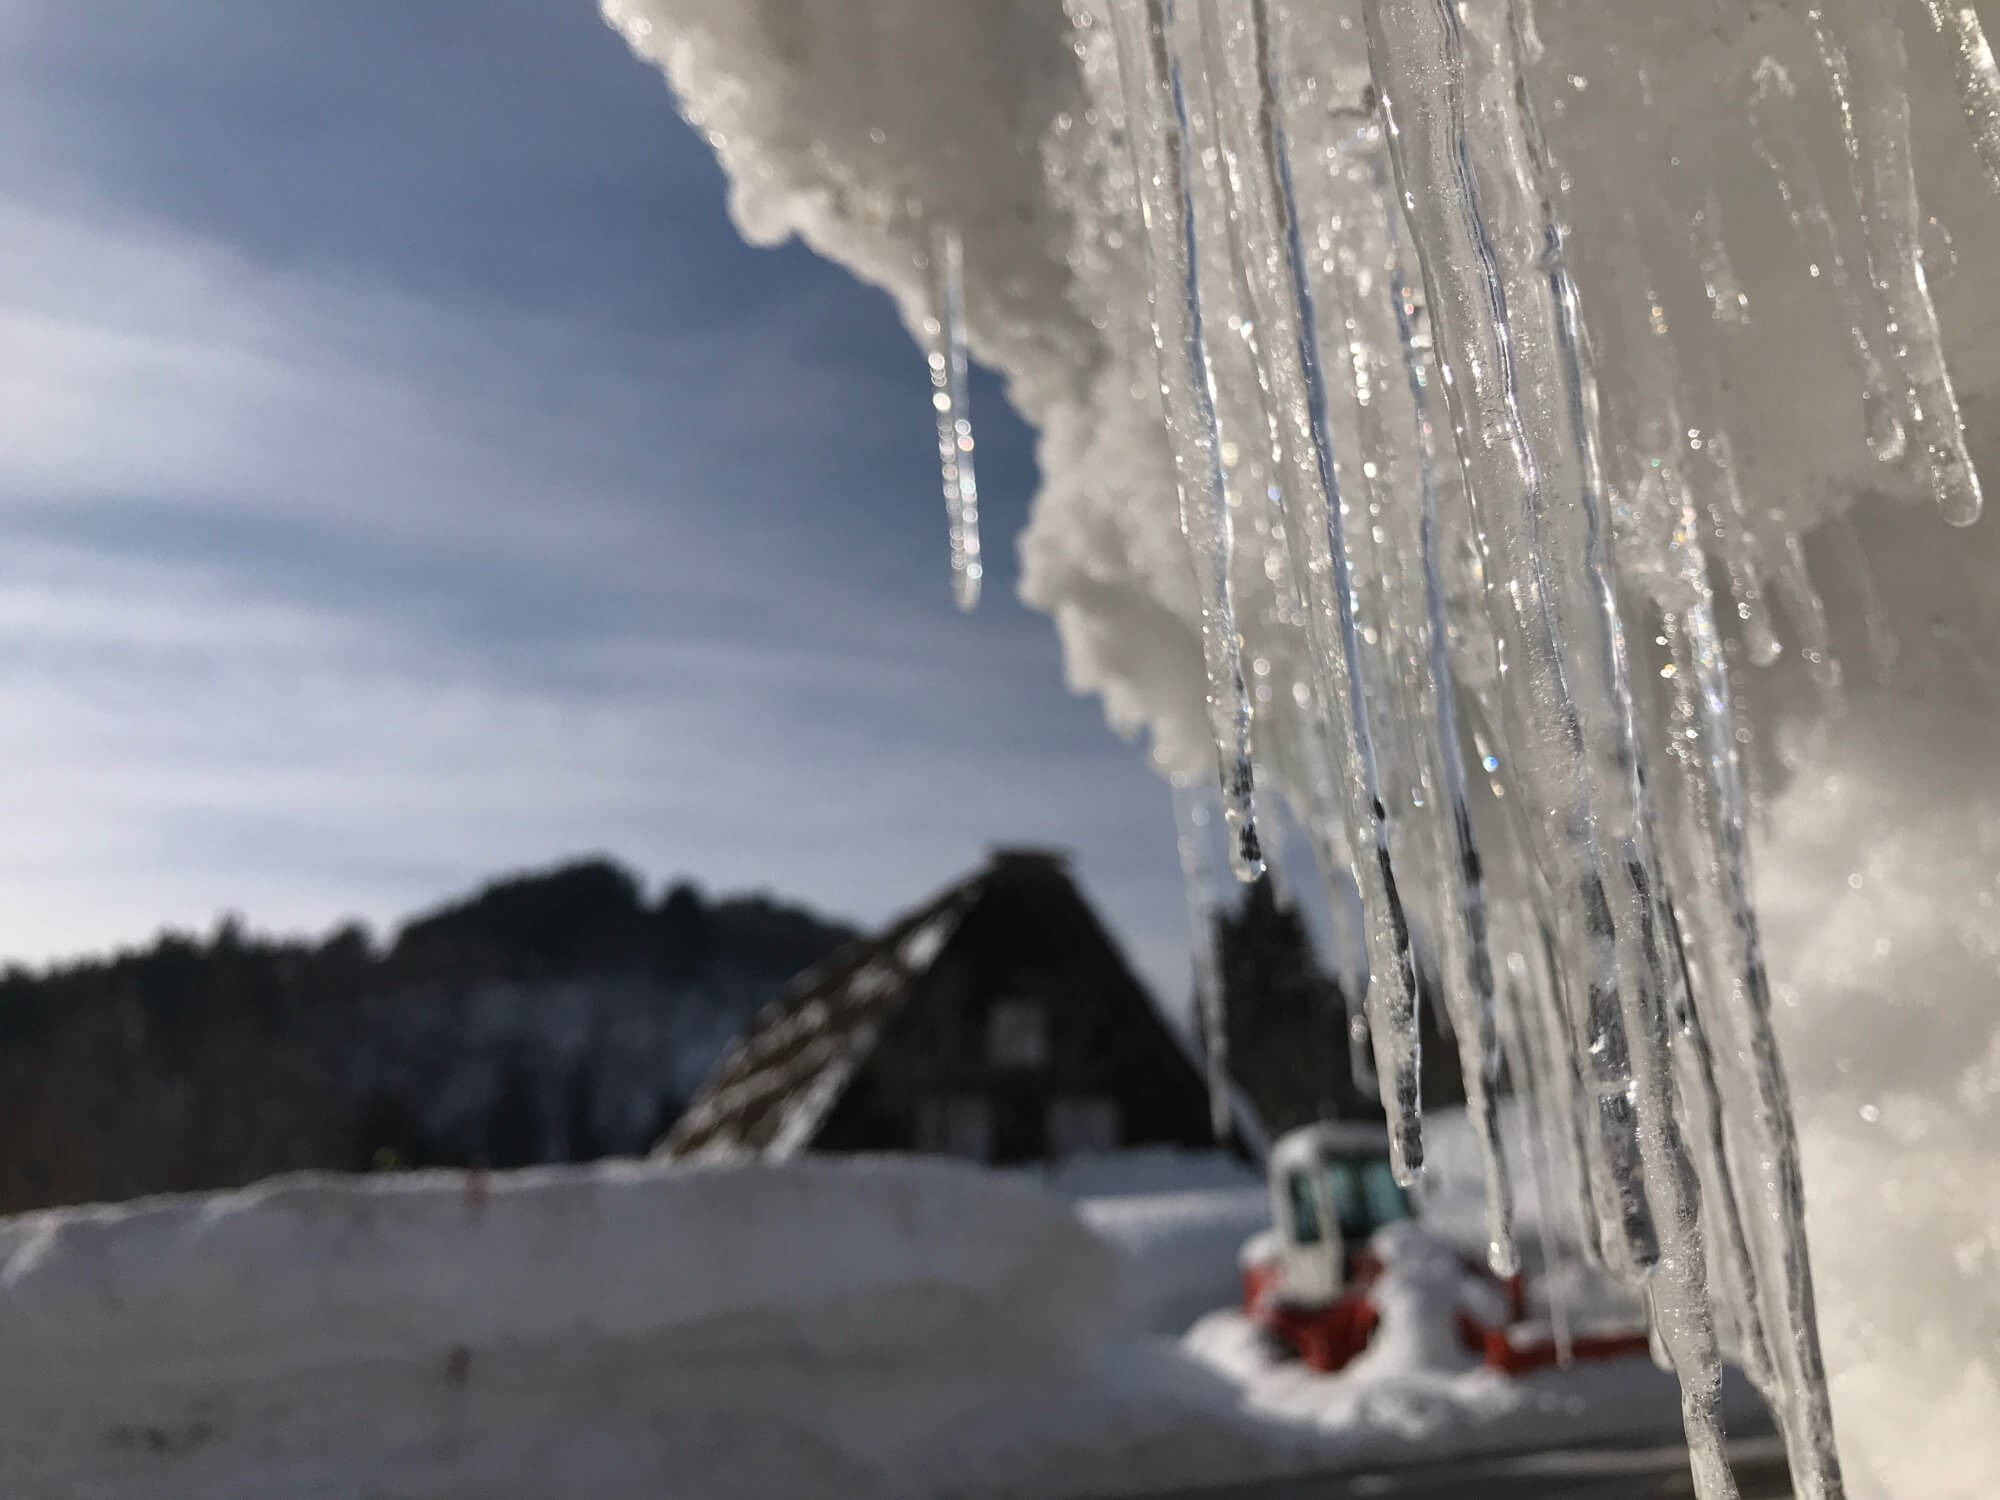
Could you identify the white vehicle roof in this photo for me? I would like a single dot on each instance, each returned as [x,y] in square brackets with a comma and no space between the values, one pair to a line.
[1311,1143]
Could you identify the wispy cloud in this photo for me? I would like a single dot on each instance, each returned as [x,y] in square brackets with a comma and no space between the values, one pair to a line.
[336,570]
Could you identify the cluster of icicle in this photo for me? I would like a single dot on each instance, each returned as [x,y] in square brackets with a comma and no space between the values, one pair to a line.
[1393,457]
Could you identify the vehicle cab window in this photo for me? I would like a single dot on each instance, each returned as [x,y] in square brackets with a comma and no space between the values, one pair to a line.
[1305,1212]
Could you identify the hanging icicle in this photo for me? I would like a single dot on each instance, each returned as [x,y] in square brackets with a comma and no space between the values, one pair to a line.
[944,331]
[1304,236]
[1780,142]
[1978,77]
[1541,1094]
[1861,52]
[1156,127]
[1191,818]
[1504,328]
[1242,64]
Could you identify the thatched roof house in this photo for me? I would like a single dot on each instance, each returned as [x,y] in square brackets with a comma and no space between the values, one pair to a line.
[999,1021]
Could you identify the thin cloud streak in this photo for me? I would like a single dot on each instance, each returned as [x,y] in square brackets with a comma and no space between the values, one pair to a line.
[388,501]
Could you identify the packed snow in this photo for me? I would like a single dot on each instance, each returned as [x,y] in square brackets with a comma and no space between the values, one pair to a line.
[1755,357]
[1416,1393]
[616,1331]
[1177,1251]
[830,1327]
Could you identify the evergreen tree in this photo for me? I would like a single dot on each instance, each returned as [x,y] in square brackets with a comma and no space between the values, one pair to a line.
[1287,1021]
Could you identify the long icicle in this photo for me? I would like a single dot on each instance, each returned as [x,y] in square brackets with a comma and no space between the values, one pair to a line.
[951,400]
[1978,77]
[1717,803]
[1156,129]
[1535,484]
[1713,799]
[1211,1003]
[1704,1093]
[1555,1011]
[1861,52]
[1663,502]
[1538,1102]
[1780,144]
[1299,563]
[1815,1459]
[1462,273]
[1617,972]
[1469,980]
[1281,295]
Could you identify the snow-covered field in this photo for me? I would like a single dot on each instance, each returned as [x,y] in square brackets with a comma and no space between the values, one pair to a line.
[833,1327]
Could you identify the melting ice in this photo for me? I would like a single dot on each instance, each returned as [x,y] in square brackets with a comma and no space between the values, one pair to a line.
[1419,390]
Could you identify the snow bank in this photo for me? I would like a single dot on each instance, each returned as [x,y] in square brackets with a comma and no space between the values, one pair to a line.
[1178,1251]
[1881,916]
[1176,1220]
[1142,1170]
[1416,1393]
[551,1333]
[828,1328]
[308,1271]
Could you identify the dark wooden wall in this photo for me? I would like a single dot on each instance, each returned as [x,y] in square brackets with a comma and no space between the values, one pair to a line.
[1030,937]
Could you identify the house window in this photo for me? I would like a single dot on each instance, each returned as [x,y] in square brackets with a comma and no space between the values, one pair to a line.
[1078,1124]
[955,1125]
[1017,1035]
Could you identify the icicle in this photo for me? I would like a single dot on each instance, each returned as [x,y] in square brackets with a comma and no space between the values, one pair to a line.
[1698,674]
[1505,331]
[1665,440]
[1156,128]
[1978,77]
[1781,145]
[1715,801]
[1861,50]
[1425,61]
[950,399]
[1883,647]
[1727,301]
[1210,1001]
[1701,1089]
[1938,249]
[1808,612]
[1764,1102]
[1766,1106]
[1731,519]
[1762,1305]
[1335,858]
[1469,984]
[1536,1096]
[1354,992]
[1281,295]
[1565,1072]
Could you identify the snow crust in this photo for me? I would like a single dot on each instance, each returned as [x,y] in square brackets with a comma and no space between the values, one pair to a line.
[826,1328]
[1416,1394]
[1177,1251]
[1881,907]
[854,125]
[1143,1171]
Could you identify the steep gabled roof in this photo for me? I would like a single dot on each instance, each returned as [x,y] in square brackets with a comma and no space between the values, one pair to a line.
[772,1089]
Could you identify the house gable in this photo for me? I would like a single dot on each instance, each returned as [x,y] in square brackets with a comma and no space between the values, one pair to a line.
[1028,1037]
[999,1021]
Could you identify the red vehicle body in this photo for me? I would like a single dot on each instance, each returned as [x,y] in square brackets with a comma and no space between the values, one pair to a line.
[1308,1280]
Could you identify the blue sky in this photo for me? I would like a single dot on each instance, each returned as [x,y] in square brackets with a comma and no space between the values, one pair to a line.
[409,475]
